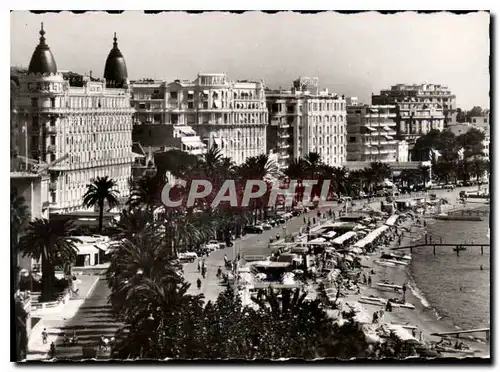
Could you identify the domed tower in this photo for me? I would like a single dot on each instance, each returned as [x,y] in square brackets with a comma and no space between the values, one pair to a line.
[42,60]
[115,71]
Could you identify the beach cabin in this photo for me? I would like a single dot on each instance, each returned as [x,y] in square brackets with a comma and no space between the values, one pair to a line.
[344,239]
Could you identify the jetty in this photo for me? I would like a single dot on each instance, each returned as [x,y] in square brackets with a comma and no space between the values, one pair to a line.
[457,247]
[459,332]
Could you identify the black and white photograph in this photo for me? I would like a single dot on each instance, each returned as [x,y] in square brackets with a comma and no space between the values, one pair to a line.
[250,186]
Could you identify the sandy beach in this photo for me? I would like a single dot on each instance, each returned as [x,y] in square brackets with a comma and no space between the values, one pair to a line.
[423,316]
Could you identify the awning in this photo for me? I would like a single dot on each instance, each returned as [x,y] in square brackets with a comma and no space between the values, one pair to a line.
[188,131]
[190,91]
[388,137]
[392,220]
[189,141]
[87,249]
[370,128]
[342,238]
[206,92]
[329,234]
[317,240]
[387,128]
[136,155]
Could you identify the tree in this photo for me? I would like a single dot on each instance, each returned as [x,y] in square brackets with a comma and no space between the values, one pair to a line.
[340,175]
[19,217]
[100,191]
[475,111]
[49,241]
[313,160]
[425,173]
[146,191]
[461,116]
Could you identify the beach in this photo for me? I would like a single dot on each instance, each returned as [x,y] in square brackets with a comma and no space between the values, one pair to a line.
[423,316]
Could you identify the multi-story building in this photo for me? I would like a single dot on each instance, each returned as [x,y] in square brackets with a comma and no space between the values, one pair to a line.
[420,108]
[78,125]
[148,100]
[305,119]
[371,133]
[462,128]
[229,115]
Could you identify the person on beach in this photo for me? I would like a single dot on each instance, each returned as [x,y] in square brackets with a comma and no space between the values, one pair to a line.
[44,336]
[225,259]
[404,292]
[219,272]
[198,283]
[369,280]
[52,350]
[239,257]
[199,265]
[481,267]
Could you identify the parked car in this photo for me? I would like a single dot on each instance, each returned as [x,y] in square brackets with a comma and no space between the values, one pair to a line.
[212,245]
[449,187]
[253,229]
[266,226]
[222,245]
[187,256]
[272,222]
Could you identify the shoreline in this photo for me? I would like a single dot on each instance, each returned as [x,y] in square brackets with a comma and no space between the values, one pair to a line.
[425,317]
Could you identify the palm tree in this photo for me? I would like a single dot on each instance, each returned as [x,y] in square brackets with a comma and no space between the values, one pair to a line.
[49,241]
[297,171]
[100,191]
[19,217]
[257,168]
[134,222]
[146,191]
[340,175]
[313,160]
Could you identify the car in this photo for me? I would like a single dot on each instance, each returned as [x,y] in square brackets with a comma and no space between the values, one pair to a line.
[449,187]
[279,220]
[273,223]
[212,245]
[266,226]
[187,256]
[253,229]
[222,245]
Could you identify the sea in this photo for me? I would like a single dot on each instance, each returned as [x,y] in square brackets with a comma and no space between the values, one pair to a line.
[455,287]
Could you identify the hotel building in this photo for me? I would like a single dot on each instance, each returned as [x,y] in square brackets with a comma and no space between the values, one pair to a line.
[305,119]
[371,133]
[419,107]
[78,126]
[228,115]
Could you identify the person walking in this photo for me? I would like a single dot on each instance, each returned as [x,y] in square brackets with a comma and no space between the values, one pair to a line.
[219,272]
[199,265]
[198,283]
[44,336]
[404,292]
[52,350]
[225,259]
[203,272]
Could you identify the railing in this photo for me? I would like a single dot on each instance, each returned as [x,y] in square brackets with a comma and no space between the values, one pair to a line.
[51,148]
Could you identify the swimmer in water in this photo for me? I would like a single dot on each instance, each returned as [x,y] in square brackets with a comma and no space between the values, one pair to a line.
[481,267]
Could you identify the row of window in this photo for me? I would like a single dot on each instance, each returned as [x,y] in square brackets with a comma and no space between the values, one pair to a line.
[326,140]
[83,177]
[81,102]
[83,157]
[318,130]
[326,119]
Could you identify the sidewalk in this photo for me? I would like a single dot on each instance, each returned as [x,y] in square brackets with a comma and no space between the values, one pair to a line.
[53,319]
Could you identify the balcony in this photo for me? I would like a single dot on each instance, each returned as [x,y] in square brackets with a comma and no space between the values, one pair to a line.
[51,129]
[53,186]
[284,135]
[51,148]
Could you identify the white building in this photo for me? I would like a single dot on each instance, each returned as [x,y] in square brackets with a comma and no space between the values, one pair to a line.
[80,126]
[305,119]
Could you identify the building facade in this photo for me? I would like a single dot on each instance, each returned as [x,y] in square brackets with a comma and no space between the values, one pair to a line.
[371,133]
[79,126]
[228,115]
[305,119]
[420,108]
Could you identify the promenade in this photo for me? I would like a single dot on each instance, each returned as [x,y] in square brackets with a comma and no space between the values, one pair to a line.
[90,316]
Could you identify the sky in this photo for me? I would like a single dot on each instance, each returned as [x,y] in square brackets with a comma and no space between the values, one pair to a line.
[352,54]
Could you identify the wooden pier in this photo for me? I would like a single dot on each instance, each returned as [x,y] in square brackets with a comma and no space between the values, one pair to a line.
[456,246]
[459,332]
